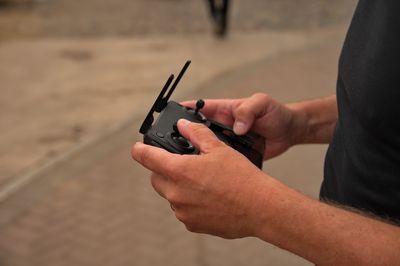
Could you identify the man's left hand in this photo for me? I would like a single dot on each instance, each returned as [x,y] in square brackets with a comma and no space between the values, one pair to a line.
[214,192]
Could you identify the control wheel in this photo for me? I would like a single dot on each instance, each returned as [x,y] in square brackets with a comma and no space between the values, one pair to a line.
[180,142]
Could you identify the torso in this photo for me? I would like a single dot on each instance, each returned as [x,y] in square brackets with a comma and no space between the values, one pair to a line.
[362,167]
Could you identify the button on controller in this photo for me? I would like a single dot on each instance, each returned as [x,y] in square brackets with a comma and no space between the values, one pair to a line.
[160,135]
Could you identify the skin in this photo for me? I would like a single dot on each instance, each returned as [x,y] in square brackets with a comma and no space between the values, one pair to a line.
[220,192]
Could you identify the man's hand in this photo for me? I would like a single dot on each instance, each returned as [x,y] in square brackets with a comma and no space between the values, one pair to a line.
[220,192]
[260,114]
[210,193]
[281,125]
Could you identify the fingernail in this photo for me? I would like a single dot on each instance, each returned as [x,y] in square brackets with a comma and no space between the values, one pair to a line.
[183,122]
[239,127]
[137,144]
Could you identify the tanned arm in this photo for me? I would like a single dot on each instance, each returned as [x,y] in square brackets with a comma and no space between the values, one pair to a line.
[323,234]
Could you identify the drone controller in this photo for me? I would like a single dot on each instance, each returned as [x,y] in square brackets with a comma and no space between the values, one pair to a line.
[163,133]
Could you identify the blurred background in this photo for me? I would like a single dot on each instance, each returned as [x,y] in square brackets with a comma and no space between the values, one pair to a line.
[78,77]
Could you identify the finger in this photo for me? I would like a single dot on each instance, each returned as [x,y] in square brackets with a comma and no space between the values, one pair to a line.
[160,184]
[155,159]
[215,109]
[190,104]
[249,110]
[199,135]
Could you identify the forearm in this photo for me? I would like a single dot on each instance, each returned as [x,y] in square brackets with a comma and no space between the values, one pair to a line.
[314,119]
[321,233]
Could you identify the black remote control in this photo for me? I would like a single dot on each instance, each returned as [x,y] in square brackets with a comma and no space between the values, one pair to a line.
[164,132]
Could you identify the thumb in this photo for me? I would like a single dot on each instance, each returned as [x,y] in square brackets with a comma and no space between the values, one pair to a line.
[199,135]
[248,111]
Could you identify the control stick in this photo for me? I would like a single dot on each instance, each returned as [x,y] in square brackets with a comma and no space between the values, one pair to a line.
[199,105]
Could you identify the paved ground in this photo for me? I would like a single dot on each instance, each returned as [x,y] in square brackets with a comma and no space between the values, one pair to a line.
[97,208]
[58,94]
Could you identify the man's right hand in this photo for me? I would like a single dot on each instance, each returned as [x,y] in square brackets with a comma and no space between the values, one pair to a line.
[280,125]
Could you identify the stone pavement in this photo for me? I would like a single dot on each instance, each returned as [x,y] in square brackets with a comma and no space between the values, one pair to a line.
[60,93]
[96,206]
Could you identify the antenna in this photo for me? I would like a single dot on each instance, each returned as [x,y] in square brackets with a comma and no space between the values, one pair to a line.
[149,118]
[161,101]
[180,75]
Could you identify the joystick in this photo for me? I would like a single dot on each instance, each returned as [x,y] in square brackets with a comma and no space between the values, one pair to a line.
[199,105]
[163,133]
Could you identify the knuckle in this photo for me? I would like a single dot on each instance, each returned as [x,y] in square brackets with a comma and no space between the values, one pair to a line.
[261,96]
[200,132]
[197,128]
[144,157]
[242,110]
[157,186]
[191,228]
[173,197]
[189,221]
[183,168]
[250,106]
[154,181]
[170,170]
[176,170]
[227,109]
[181,216]
[216,143]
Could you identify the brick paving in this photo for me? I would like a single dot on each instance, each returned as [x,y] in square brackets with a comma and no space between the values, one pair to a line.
[105,212]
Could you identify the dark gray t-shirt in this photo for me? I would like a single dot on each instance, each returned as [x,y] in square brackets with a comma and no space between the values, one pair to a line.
[362,165]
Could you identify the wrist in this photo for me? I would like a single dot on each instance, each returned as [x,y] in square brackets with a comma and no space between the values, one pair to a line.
[314,120]
[279,212]
[259,205]
[299,123]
